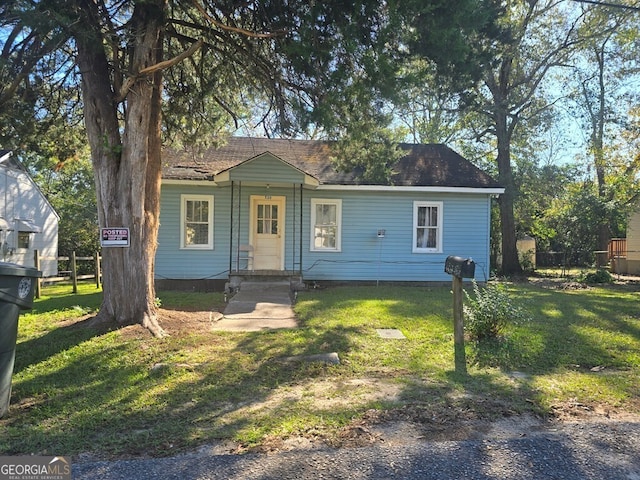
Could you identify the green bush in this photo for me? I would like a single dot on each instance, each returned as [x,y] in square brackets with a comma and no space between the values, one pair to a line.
[489,311]
[599,276]
[526,261]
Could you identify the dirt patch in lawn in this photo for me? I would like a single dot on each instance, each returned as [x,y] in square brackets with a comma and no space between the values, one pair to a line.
[177,323]
[180,323]
[417,422]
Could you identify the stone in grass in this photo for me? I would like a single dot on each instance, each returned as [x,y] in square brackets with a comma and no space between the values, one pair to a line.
[391,333]
[519,375]
[166,367]
[328,358]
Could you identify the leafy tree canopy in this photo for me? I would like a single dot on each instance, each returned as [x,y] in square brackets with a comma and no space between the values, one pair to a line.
[287,68]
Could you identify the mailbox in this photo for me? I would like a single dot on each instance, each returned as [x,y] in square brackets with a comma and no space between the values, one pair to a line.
[460,267]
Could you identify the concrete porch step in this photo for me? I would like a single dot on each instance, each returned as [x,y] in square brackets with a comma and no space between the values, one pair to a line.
[259,305]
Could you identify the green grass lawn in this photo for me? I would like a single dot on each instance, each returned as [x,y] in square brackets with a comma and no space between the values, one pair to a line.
[123,392]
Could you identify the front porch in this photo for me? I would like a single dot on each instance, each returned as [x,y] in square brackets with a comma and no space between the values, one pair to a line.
[265,216]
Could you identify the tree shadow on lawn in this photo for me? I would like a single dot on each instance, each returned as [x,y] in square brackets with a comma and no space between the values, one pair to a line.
[168,401]
[107,402]
[590,338]
[249,408]
[67,335]
[68,409]
[104,403]
[572,328]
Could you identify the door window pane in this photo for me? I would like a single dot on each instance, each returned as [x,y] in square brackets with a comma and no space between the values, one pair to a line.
[274,220]
[267,218]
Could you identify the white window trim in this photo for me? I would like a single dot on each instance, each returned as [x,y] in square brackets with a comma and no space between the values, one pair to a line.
[326,201]
[440,227]
[183,217]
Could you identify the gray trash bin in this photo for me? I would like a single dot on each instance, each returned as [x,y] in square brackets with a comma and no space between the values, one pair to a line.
[17,286]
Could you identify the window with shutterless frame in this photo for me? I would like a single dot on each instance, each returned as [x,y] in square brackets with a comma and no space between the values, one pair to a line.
[427,227]
[326,225]
[196,222]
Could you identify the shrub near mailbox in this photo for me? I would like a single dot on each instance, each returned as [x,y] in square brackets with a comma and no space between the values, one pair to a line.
[460,267]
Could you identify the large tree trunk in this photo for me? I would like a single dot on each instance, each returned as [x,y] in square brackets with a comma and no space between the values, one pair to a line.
[510,260]
[499,87]
[127,166]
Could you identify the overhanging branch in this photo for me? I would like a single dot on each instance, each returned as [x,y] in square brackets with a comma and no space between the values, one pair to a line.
[229,28]
[128,83]
[609,4]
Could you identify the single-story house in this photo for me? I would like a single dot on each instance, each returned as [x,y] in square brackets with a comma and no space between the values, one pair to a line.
[28,222]
[260,206]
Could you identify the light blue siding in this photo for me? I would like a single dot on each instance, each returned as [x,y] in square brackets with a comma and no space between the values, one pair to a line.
[363,255]
[172,262]
[263,167]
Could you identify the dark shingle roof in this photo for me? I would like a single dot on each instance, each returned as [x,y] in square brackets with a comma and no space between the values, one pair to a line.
[422,165]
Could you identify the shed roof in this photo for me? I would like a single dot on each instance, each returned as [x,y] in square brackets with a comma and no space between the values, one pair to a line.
[422,165]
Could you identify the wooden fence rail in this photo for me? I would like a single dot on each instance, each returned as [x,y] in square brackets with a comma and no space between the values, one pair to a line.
[73,272]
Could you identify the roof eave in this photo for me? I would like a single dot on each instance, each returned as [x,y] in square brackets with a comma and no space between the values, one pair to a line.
[414,188]
[5,155]
[188,181]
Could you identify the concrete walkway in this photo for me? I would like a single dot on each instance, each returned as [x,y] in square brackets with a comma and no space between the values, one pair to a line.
[259,306]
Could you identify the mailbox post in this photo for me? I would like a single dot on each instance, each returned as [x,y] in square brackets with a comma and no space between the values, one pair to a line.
[459,268]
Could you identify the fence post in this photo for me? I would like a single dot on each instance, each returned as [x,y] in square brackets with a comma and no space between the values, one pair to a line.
[98,273]
[36,264]
[74,272]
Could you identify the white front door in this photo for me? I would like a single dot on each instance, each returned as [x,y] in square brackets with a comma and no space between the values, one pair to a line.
[267,232]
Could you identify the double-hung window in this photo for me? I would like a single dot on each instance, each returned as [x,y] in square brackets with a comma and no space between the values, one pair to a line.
[427,227]
[196,222]
[326,225]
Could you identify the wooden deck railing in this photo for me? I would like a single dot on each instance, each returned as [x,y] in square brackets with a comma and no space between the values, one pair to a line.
[617,248]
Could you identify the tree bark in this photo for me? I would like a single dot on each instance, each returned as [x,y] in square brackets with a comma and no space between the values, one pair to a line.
[499,88]
[510,260]
[126,165]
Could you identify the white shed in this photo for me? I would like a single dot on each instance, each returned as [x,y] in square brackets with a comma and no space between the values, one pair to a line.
[28,222]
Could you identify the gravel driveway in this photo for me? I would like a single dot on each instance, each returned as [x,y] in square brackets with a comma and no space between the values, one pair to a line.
[601,449]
